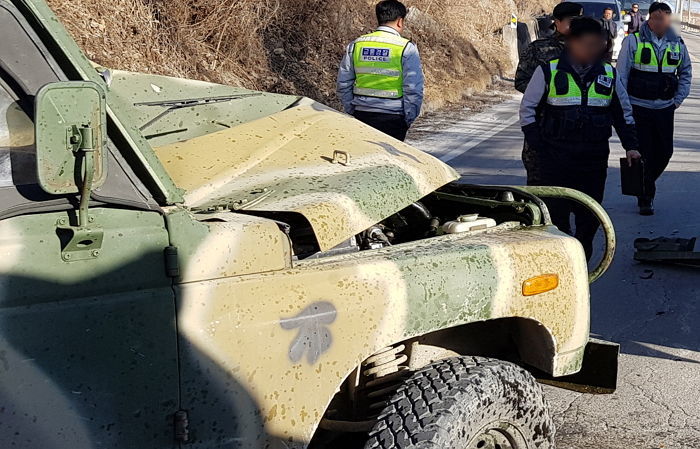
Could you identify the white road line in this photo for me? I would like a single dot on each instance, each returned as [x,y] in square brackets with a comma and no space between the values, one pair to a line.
[463,135]
[456,152]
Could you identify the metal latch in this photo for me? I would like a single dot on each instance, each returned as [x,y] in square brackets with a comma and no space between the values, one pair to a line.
[337,154]
[182,426]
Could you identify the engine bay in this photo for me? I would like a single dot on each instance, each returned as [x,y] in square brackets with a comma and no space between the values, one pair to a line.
[456,208]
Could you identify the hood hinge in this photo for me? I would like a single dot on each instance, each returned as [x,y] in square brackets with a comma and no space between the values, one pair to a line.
[172,264]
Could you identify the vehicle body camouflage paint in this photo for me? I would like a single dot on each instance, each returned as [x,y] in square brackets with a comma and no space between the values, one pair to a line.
[284,163]
[201,298]
[376,299]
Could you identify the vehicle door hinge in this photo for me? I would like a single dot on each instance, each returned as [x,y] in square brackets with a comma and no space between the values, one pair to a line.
[172,264]
[182,426]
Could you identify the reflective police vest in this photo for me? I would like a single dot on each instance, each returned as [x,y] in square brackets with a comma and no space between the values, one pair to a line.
[378,61]
[576,112]
[651,79]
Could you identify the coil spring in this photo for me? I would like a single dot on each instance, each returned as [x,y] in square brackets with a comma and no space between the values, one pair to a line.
[385,370]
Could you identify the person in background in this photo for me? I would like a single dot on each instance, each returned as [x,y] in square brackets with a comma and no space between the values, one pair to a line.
[536,54]
[610,31]
[637,19]
[567,115]
[380,80]
[655,68]
[608,22]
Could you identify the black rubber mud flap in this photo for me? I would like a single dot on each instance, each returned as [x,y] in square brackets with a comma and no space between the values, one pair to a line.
[598,374]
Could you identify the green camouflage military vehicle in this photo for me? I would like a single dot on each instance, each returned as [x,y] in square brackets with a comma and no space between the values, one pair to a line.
[192,265]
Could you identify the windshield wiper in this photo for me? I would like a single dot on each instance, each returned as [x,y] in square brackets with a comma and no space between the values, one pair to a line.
[173,105]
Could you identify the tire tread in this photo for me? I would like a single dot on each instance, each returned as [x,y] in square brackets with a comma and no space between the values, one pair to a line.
[416,415]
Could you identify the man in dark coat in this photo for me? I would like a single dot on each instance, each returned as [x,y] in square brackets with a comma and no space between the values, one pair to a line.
[636,19]
[536,54]
[610,30]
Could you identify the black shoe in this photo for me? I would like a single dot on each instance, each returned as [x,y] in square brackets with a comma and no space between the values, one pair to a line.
[646,209]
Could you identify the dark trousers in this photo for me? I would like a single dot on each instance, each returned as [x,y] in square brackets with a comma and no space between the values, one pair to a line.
[587,176]
[391,124]
[531,165]
[655,133]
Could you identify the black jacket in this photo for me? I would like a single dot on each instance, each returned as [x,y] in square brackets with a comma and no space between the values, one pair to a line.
[636,23]
[570,146]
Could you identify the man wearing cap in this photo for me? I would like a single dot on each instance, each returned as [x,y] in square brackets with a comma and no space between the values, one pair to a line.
[380,80]
[636,19]
[536,54]
[655,68]
[567,115]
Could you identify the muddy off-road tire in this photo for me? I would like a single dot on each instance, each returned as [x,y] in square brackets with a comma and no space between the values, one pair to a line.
[466,403]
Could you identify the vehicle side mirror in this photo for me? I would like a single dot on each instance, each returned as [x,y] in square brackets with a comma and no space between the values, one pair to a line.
[71,136]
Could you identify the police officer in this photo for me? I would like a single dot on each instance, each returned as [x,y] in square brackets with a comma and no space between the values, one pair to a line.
[655,68]
[567,115]
[537,53]
[380,80]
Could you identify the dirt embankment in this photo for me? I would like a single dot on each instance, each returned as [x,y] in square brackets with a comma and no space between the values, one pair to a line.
[291,46]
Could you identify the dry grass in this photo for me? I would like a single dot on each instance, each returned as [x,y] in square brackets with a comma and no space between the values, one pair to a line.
[290,46]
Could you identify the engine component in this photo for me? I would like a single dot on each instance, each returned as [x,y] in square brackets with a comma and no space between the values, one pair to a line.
[466,223]
[376,238]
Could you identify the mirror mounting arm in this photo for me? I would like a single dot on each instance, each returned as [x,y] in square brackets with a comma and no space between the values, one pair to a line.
[84,148]
[71,141]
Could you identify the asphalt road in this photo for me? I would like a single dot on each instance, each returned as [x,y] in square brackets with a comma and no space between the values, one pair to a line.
[656,320]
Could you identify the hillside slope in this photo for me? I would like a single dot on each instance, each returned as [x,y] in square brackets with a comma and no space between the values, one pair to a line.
[291,46]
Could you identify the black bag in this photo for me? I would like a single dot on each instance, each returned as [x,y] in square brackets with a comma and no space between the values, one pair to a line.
[632,177]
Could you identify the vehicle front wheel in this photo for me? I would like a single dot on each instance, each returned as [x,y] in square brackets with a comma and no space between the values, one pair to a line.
[466,403]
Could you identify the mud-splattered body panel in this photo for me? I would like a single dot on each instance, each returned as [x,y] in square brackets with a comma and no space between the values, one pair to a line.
[288,338]
[196,300]
[285,162]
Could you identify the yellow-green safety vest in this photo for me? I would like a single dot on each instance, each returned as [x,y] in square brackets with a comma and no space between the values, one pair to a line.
[574,96]
[378,61]
[645,58]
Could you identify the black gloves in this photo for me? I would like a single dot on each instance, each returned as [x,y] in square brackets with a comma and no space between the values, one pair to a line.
[533,136]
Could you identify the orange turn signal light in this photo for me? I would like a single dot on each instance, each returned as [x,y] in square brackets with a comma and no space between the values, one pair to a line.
[540,284]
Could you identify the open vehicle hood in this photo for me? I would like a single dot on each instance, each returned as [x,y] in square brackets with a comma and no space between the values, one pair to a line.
[285,163]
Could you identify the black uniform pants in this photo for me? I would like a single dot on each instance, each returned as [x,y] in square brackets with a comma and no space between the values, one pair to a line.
[589,178]
[655,132]
[531,165]
[392,124]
